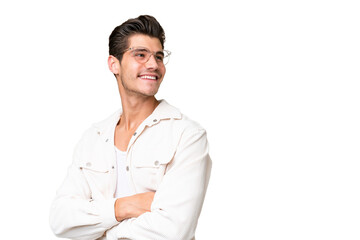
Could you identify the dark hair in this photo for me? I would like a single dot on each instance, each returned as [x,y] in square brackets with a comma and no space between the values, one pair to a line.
[144,24]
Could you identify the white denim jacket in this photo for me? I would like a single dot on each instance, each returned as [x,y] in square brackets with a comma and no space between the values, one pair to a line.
[168,154]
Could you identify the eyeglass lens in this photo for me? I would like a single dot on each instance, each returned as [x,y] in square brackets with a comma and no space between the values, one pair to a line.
[143,55]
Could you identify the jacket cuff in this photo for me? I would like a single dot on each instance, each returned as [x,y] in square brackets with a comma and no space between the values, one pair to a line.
[107,212]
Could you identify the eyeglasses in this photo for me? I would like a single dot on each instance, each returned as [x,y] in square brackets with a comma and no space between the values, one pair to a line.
[142,55]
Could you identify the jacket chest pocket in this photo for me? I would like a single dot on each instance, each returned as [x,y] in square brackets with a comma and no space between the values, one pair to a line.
[99,179]
[148,170]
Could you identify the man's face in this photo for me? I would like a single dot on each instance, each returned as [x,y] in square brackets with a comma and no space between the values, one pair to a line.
[141,78]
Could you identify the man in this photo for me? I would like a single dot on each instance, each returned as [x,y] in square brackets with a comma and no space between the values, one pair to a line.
[143,172]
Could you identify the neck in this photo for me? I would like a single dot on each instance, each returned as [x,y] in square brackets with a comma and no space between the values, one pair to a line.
[136,110]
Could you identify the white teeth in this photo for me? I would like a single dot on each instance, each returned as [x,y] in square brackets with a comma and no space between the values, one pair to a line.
[149,77]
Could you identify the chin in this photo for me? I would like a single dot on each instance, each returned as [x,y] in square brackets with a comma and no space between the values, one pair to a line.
[149,92]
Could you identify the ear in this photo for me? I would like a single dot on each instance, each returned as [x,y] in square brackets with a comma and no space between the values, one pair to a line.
[114,65]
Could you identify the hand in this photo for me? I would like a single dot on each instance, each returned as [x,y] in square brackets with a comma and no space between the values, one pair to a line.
[133,206]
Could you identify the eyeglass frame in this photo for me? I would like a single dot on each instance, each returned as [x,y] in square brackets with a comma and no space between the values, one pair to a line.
[151,54]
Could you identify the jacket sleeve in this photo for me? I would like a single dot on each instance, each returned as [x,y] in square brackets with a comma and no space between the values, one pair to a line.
[178,200]
[73,213]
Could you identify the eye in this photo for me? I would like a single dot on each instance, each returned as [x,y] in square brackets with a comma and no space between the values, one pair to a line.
[140,53]
[159,57]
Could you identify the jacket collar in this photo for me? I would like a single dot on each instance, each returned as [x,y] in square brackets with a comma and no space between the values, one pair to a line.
[163,111]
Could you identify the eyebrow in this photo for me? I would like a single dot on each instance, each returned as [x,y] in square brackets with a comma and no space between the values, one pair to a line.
[145,49]
[161,53]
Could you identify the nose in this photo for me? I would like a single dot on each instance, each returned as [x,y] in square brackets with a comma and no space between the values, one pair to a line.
[152,63]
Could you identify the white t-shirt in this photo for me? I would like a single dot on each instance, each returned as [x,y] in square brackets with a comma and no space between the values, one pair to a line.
[123,185]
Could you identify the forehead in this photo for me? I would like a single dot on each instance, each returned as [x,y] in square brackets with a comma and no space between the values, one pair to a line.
[140,40]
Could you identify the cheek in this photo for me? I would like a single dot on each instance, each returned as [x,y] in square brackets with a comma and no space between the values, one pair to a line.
[129,74]
[162,72]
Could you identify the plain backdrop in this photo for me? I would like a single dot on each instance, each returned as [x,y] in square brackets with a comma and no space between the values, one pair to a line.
[275,84]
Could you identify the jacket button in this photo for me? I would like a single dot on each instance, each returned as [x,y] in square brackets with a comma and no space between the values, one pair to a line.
[88,164]
[98,133]
[127,168]
[155,120]
[135,133]
[156,163]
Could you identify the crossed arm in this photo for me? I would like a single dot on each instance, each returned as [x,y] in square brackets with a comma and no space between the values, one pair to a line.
[133,206]
[170,213]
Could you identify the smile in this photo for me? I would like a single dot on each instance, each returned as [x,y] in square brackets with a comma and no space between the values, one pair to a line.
[151,77]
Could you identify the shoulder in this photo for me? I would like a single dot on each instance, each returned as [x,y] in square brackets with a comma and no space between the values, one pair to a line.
[190,127]
[191,124]
[182,130]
